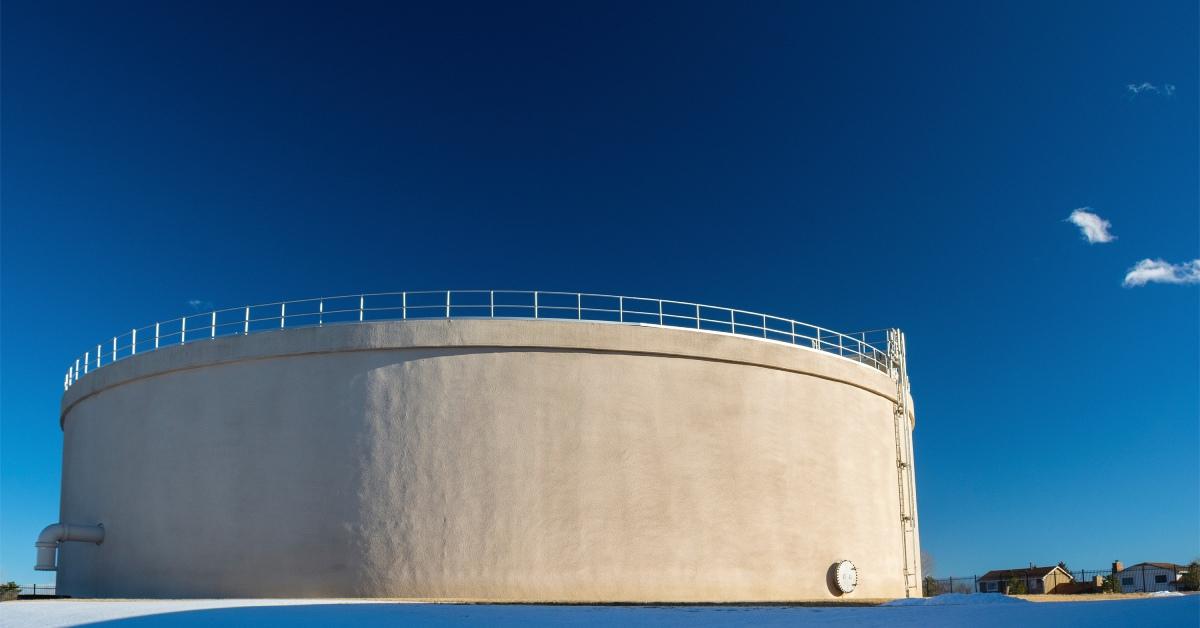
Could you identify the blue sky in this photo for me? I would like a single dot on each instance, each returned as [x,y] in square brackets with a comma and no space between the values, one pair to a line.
[859,167]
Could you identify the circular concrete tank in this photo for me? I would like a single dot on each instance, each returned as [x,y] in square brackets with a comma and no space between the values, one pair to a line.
[487,460]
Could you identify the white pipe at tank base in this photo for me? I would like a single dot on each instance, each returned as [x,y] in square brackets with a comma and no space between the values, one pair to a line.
[55,533]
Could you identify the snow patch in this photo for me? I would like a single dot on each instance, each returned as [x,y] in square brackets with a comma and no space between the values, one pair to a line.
[958,599]
[1166,594]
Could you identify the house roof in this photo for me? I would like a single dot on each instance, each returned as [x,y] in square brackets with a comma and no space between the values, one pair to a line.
[1167,566]
[1027,572]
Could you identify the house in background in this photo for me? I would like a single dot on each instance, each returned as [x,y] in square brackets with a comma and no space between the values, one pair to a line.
[1037,579]
[1149,577]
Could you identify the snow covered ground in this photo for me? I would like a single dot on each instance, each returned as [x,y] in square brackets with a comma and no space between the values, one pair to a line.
[979,611]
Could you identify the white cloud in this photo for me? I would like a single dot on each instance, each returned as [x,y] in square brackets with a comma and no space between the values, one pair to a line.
[198,304]
[1159,271]
[1094,228]
[1135,89]
[1167,90]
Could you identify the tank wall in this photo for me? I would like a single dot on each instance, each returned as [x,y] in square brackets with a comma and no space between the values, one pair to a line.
[502,460]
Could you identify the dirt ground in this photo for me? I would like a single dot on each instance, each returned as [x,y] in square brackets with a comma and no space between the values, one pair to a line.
[1086,597]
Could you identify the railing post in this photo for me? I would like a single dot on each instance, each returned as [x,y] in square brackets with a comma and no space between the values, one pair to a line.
[183,330]
[793,332]
[86,358]
[156,335]
[578,306]
[213,325]
[246,323]
[76,369]
[361,300]
[660,314]
[621,309]
[404,305]
[132,344]
[491,304]
[697,316]
[98,354]
[764,317]
[732,322]
[114,349]
[282,314]
[320,312]
[447,304]
[535,304]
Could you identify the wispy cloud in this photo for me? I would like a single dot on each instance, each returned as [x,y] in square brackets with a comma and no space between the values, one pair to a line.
[1159,271]
[199,304]
[1093,227]
[1138,89]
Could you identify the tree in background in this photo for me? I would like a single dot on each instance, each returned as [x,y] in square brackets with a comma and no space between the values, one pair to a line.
[1015,586]
[931,587]
[1191,579]
[1112,583]
[928,565]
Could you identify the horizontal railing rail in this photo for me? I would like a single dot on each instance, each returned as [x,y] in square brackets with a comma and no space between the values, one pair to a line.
[869,348]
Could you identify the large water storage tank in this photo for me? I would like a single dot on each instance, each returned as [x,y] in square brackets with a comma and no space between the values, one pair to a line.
[487,447]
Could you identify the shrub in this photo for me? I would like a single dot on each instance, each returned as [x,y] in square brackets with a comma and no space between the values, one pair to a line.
[1015,586]
[1191,579]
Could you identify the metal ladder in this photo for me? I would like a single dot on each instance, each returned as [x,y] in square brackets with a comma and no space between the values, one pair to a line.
[904,469]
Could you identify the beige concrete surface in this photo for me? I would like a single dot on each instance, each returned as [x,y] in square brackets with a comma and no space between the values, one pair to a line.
[485,460]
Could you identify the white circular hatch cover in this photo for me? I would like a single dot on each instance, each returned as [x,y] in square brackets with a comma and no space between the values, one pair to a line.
[846,575]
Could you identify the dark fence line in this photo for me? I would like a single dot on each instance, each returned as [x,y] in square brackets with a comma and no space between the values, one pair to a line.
[37,589]
[1136,579]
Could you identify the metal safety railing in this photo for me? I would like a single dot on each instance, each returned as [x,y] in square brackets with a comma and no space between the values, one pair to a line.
[869,348]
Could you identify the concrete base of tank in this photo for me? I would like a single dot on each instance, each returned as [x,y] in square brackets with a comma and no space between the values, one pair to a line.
[490,460]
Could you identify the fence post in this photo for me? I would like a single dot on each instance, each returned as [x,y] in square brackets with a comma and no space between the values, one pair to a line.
[660,314]
[697,316]
[156,335]
[535,304]
[578,306]
[246,322]
[183,330]
[764,317]
[114,349]
[491,304]
[213,325]
[732,322]
[621,309]
[86,359]
[282,314]
[320,312]
[448,302]
[360,307]
[403,305]
[132,344]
